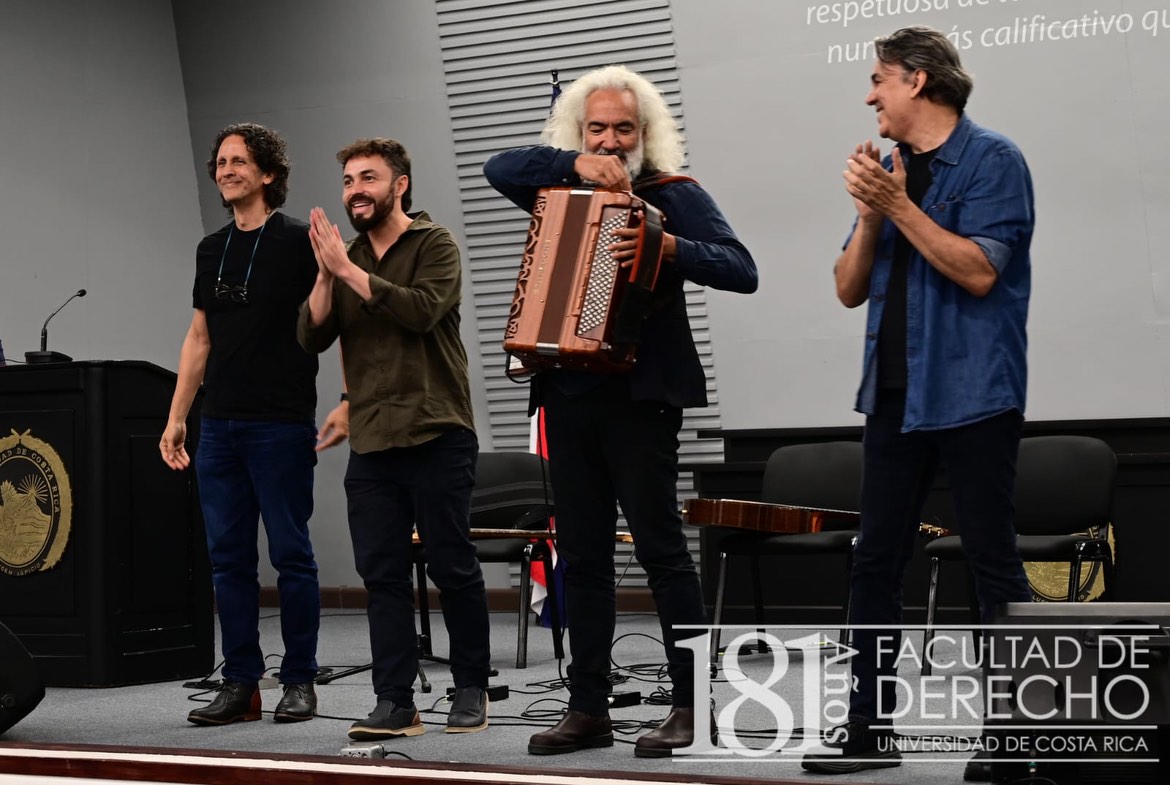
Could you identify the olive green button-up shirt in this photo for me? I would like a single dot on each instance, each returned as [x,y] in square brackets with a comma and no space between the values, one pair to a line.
[404,362]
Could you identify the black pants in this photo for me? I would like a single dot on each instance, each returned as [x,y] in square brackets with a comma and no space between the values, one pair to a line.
[899,471]
[389,493]
[605,450]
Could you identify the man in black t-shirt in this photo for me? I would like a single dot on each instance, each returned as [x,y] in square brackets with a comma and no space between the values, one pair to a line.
[256,447]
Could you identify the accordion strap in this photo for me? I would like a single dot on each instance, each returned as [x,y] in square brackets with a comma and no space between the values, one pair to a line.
[654,231]
[661,178]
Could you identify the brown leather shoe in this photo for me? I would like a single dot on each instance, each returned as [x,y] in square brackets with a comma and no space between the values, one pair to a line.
[235,702]
[576,731]
[675,732]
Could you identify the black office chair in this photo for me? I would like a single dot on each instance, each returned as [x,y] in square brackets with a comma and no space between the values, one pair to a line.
[1064,509]
[510,509]
[824,476]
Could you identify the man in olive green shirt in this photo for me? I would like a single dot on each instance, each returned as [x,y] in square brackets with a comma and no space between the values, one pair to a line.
[392,296]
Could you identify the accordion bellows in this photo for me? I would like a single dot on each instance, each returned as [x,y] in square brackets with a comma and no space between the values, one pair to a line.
[574,305]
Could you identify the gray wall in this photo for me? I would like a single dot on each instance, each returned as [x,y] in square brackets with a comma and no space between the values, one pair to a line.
[770,122]
[103,185]
[324,74]
[96,187]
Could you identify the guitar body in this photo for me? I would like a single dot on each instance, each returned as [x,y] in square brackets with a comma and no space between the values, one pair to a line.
[776,518]
[762,517]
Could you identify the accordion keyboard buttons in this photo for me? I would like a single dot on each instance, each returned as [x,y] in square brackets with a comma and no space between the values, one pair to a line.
[602,274]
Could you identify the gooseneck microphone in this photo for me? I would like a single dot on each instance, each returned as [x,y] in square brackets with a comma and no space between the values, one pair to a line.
[44,355]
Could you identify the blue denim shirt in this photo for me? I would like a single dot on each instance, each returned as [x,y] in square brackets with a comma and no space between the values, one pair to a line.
[966,356]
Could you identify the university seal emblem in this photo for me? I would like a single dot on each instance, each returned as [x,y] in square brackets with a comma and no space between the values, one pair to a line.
[36,505]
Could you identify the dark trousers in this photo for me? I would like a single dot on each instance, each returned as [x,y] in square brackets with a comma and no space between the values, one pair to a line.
[249,470]
[899,471]
[605,450]
[389,493]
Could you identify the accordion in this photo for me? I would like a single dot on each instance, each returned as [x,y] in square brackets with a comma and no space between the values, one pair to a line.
[574,305]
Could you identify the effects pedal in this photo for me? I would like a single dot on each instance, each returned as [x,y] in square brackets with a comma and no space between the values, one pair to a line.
[495,694]
[620,700]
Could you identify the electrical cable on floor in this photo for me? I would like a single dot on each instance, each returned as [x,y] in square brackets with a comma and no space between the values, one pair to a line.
[660,697]
[206,684]
[552,685]
[537,715]
[532,716]
[620,578]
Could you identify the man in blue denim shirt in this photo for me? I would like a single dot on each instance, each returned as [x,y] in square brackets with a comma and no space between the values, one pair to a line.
[940,249]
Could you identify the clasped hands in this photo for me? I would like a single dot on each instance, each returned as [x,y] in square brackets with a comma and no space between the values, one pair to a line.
[328,246]
[876,191]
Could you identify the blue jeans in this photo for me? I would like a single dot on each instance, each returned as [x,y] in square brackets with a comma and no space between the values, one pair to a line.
[248,470]
[389,493]
[899,472]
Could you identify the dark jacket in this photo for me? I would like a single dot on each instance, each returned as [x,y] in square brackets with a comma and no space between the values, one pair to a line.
[405,365]
[708,253]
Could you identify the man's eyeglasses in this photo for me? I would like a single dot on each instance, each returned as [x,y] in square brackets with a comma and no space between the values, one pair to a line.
[236,294]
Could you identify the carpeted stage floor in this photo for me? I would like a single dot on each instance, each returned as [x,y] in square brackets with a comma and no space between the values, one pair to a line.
[152,718]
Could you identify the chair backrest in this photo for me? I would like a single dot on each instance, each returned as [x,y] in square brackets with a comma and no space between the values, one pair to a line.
[1064,484]
[511,491]
[825,475]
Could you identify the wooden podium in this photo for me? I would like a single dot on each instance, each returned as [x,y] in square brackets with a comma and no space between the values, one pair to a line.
[104,574]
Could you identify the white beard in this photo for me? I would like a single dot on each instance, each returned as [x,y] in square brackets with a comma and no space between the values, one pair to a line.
[632,160]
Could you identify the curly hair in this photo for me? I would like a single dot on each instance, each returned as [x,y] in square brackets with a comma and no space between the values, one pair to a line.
[269,152]
[392,152]
[925,49]
[662,141]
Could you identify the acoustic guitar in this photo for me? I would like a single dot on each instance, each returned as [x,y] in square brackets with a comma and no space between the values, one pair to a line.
[775,518]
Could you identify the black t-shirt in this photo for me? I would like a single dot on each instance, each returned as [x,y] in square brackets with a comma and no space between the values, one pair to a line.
[256,370]
[892,333]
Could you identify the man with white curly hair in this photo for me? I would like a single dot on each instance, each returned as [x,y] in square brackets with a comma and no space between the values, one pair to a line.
[613,438]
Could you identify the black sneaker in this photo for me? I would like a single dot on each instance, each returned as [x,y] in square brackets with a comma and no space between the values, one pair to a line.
[468,710]
[387,721]
[865,747]
[836,738]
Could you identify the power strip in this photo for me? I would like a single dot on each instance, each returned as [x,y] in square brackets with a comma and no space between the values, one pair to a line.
[376,751]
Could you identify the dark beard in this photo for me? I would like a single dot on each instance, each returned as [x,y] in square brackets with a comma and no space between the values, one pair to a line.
[381,212]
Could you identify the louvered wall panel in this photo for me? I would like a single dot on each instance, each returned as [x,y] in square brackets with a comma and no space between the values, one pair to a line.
[497,55]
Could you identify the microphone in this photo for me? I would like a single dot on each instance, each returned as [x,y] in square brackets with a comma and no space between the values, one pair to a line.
[45,356]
